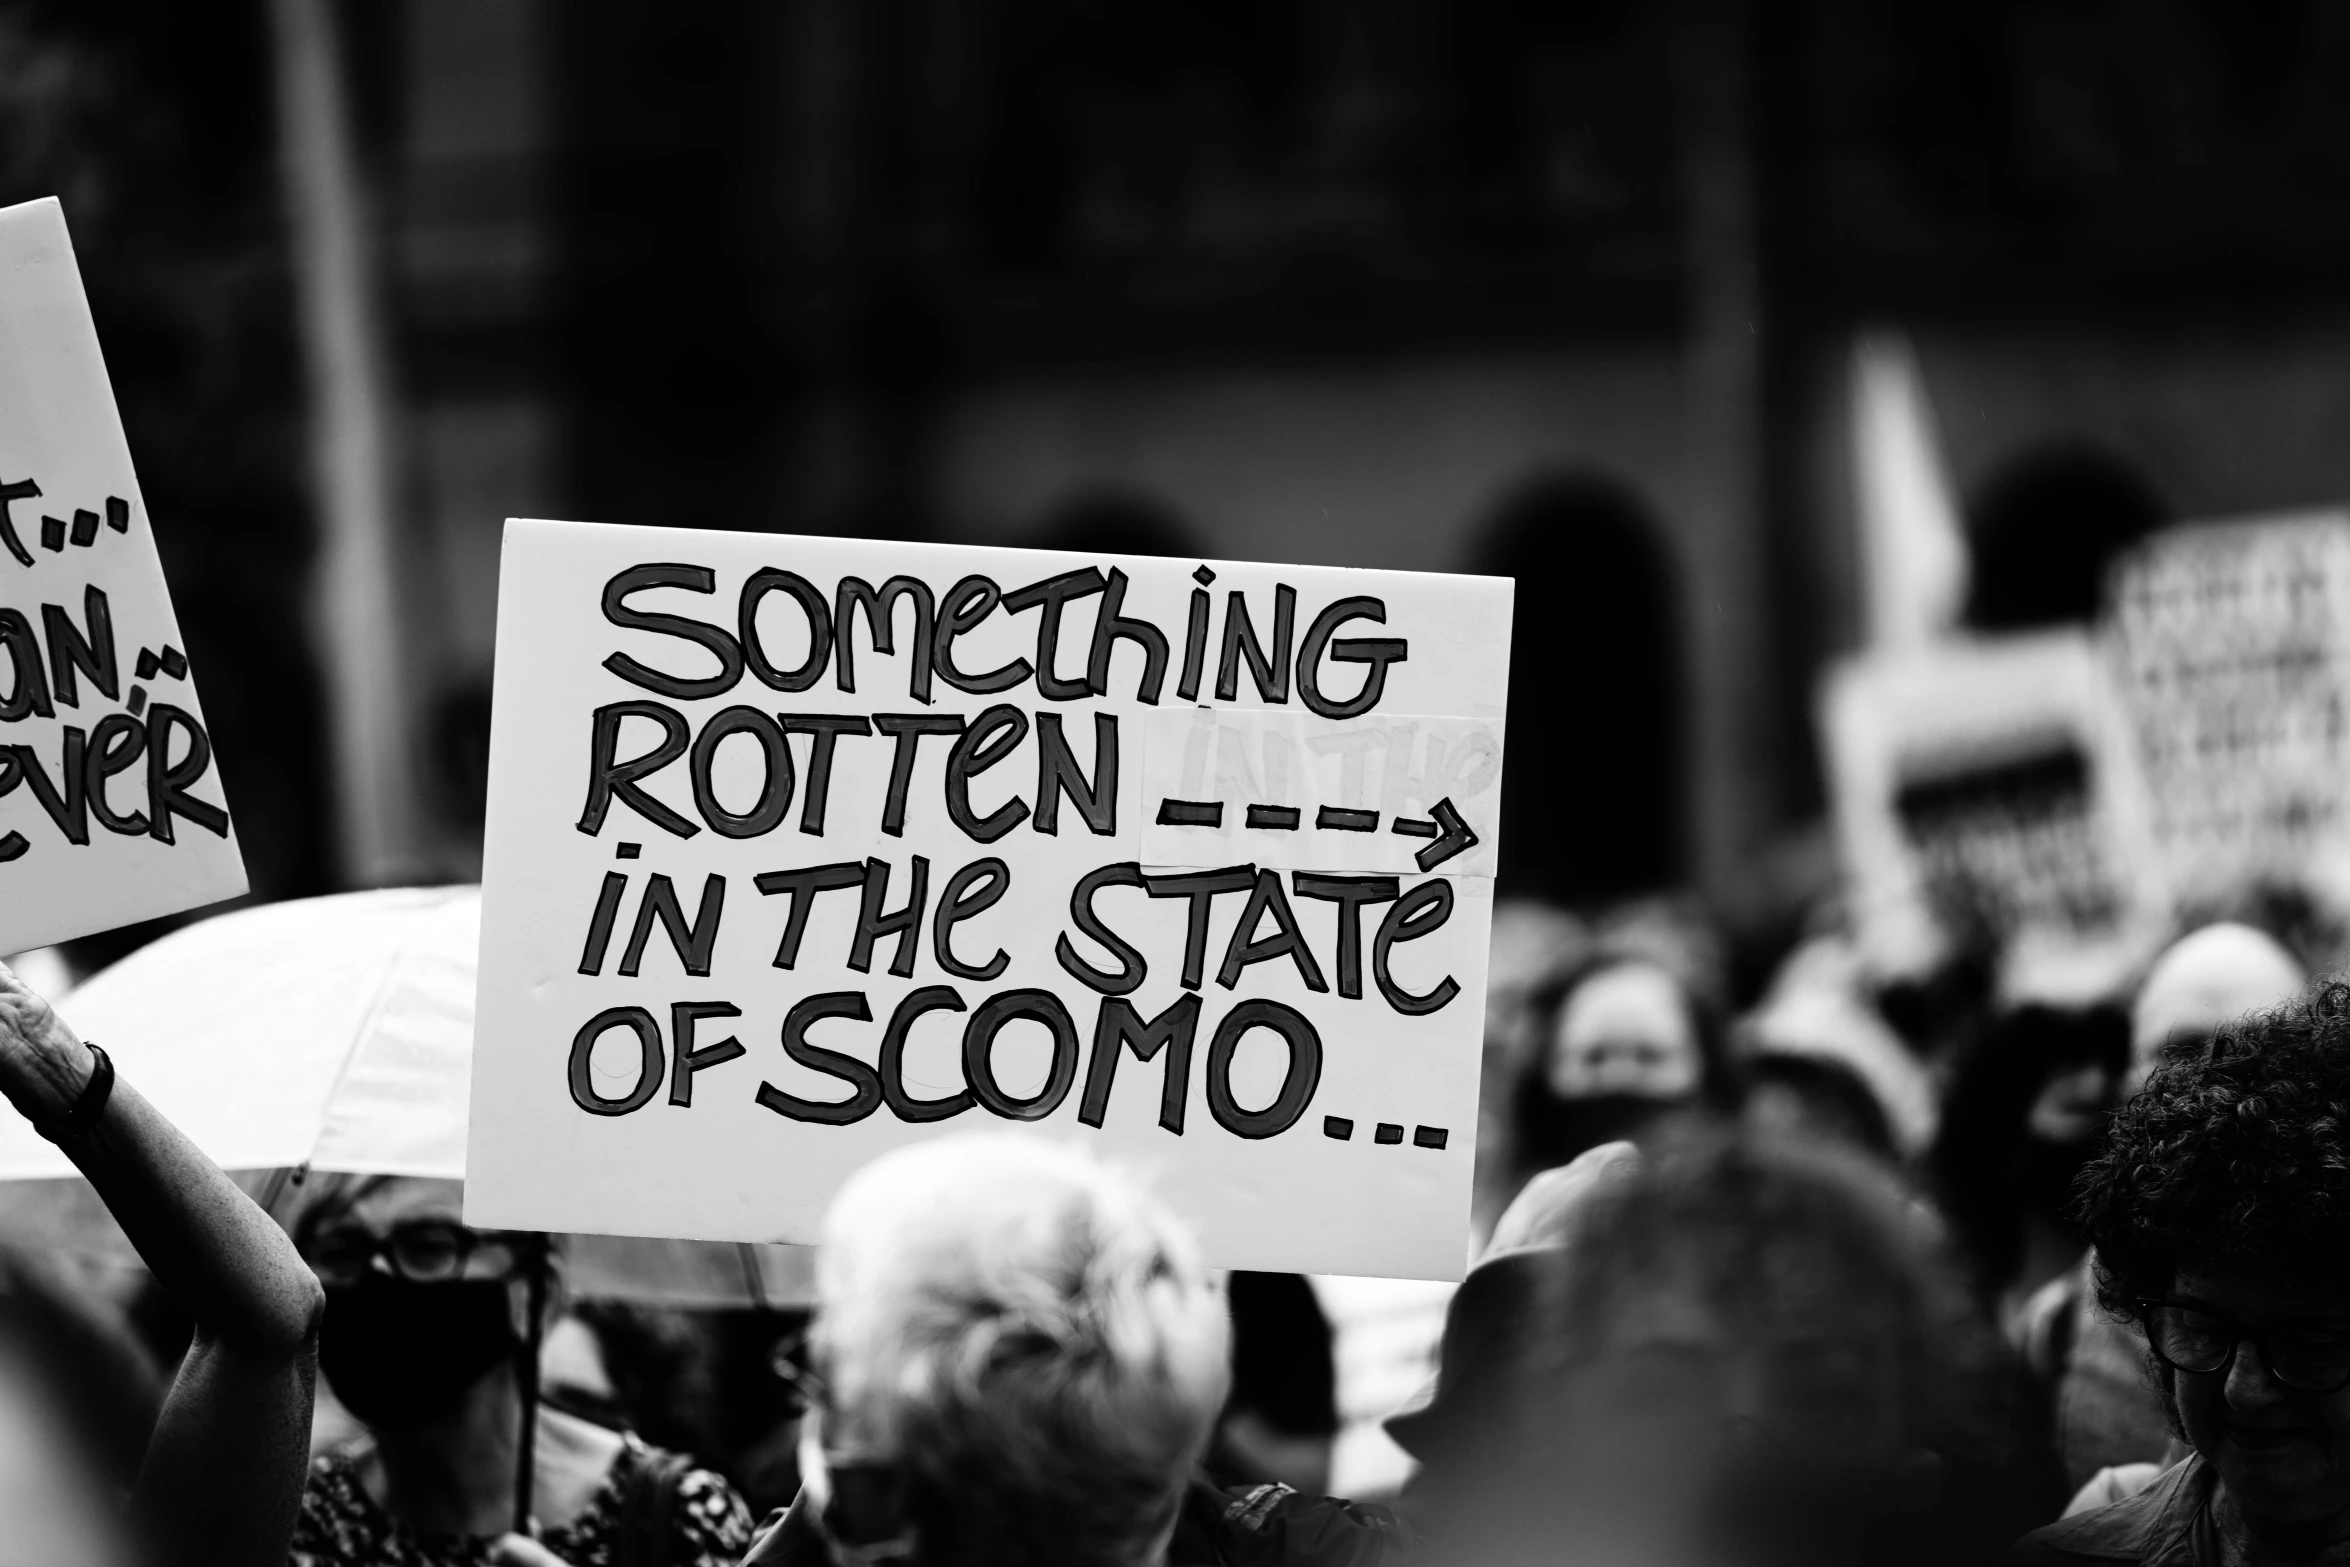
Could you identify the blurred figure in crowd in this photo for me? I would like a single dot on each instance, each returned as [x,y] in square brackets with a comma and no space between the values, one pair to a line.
[1281,1417]
[219,1478]
[652,1370]
[425,1319]
[1817,1060]
[2207,980]
[1019,1358]
[2220,1212]
[1461,1428]
[1534,948]
[2025,1112]
[1750,1353]
[1629,1041]
[1801,1098]
[2111,1431]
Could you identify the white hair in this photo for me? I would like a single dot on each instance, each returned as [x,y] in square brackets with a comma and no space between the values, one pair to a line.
[1028,1339]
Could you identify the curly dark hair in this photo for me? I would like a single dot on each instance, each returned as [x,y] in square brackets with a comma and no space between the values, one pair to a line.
[2236,1155]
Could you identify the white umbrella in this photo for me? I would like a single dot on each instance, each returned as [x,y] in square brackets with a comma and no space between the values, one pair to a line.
[328,1034]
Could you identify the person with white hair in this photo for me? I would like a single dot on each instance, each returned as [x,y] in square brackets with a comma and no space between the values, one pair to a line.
[2208,978]
[1018,1357]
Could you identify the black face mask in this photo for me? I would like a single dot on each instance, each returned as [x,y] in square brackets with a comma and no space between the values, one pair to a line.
[398,1353]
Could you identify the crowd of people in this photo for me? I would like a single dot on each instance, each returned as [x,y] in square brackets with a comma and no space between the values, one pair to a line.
[1855,1273]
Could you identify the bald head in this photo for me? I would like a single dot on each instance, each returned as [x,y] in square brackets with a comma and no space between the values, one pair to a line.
[2208,977]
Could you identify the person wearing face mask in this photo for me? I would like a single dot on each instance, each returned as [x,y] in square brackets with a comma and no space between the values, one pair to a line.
[2220,1214]
[2112,1435]
[1628,1043]
[218,1477]
[425,1319]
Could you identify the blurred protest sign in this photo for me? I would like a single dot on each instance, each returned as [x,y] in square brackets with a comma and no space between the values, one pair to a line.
[800,849]
[109,809]
[1982,786]
[2230,647]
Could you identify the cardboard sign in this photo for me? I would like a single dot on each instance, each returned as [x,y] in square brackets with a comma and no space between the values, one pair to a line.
[802,849]
[110,811]
[1984,784]
[2230,648]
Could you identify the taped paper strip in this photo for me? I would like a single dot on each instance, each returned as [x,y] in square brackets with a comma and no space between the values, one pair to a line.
[1400,795]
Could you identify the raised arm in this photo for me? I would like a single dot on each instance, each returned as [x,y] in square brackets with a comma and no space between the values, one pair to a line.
[223,1477]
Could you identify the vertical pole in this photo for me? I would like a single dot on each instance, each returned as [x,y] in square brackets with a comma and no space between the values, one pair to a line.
[346,364]
[526,1381]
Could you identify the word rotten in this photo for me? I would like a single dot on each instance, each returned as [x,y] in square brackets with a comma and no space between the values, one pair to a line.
[941,619]
[973,746]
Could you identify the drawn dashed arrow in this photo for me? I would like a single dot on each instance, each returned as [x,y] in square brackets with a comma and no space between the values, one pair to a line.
[1451,831]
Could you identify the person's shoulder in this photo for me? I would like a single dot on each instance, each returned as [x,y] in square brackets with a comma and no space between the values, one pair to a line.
[1275,1526]
[704,1517]
[338,1521]
[2129,1530]
[710,1513]
[333,1484]
[2043,1327]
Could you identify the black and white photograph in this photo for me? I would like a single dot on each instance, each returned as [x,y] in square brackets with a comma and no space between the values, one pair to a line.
[1081,783]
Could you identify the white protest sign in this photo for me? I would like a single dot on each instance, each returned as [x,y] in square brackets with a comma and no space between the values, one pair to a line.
[2230,647]
[1984,781]
[802,849]
[109,808]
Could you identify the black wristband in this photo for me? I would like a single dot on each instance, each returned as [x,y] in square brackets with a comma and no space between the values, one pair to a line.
[92,1103]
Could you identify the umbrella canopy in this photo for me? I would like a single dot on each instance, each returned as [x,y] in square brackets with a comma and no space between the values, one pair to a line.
[328,1034]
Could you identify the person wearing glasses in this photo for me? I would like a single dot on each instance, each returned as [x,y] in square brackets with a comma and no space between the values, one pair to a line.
[424,1322]
[2112,1433]
[2220,1213]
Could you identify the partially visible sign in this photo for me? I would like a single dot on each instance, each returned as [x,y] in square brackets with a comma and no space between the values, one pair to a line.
[110,810]
[803,849]
[1982,786]
[2230,647]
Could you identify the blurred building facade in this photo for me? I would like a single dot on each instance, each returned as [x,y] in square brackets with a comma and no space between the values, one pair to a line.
[1565,291]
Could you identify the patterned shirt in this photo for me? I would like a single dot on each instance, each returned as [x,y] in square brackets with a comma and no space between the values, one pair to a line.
[342,1526]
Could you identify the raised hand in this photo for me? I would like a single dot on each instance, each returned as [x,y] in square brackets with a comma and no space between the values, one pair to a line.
[42,1065]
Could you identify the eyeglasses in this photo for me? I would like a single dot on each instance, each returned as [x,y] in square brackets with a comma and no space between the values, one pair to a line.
[428,1251]
[2307,1358]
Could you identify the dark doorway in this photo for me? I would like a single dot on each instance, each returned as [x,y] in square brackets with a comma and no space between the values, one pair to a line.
[2043,531]
[1592,784]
